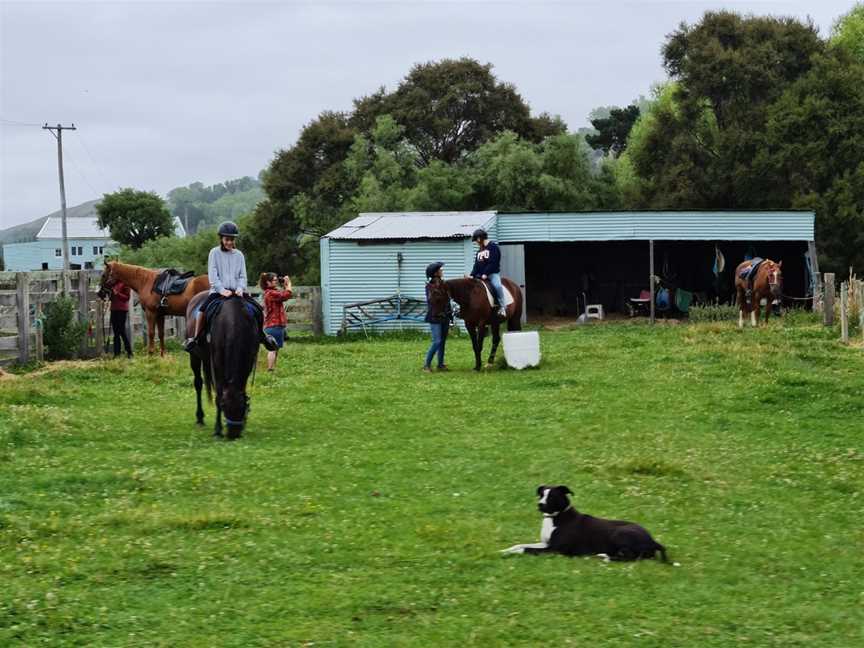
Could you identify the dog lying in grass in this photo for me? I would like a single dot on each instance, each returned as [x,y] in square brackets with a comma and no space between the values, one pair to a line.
[567,531]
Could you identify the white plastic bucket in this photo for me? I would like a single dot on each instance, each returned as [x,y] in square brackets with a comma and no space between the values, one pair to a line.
[521,349]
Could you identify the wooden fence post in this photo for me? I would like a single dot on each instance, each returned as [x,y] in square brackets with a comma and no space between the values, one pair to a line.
[317,313]
[818,294]
[844,319]
[23,305]
[828,303]
[83,306]
[40,340]
[100,332]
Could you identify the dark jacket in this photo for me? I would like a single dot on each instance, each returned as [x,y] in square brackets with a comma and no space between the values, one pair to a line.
[487,261]
[436,313]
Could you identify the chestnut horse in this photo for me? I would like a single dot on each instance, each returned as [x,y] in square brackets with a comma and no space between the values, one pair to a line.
[474,308]
[768,283]
[141,281]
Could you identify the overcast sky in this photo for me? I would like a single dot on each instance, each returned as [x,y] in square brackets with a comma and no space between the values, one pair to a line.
[169,93]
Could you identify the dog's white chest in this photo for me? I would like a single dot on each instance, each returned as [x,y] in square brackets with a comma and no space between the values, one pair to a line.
[546,530]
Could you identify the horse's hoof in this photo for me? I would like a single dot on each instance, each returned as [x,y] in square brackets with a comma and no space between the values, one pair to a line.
[199,422]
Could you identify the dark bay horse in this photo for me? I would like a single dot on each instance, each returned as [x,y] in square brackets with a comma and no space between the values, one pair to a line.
[227,357]
[768,284]
[475,309]
[141,281]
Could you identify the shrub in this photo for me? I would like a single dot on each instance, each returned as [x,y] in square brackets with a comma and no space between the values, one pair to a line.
[713,313]
[62,333]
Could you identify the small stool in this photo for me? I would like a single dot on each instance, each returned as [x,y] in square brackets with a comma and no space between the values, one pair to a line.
[594,311]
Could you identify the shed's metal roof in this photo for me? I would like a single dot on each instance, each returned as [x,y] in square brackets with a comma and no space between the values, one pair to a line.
[412,225]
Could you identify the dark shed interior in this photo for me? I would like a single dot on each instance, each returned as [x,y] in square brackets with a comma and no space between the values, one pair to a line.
[559,276]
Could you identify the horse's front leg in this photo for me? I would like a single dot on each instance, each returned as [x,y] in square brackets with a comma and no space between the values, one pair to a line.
[472,333]
[754,312]
[160,324]
[217,428]
[496,339]
[195,362]
[151,328]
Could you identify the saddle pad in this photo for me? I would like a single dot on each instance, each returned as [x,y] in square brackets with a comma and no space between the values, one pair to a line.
[750,271]
[508,298]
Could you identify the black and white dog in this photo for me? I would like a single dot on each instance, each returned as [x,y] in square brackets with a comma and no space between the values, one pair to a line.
[569,532]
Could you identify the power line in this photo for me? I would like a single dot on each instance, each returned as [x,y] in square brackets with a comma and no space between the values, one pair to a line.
[13,122]
[98,167]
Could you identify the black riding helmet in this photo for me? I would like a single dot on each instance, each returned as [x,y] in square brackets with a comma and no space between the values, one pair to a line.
[479,234]
[229,228]
[432,268]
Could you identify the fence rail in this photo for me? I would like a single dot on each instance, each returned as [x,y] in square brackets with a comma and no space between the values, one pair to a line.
[23,295]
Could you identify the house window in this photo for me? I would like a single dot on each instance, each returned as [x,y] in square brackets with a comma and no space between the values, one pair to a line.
[101,249]
[44,265]
[58,252]
[95,250]
[88,265]
[77,250]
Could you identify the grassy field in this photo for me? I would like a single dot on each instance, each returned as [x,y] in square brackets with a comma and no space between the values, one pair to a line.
[367,501]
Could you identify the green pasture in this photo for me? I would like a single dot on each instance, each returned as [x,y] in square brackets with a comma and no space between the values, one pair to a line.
[367,501]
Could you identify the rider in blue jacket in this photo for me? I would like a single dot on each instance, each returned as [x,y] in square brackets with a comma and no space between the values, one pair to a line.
[487,265]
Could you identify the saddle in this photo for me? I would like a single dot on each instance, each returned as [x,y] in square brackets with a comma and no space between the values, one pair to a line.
[170,282]
[493,298]
[748,274]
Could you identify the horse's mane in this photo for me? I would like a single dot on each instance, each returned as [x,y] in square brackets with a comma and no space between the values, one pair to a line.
[461,288]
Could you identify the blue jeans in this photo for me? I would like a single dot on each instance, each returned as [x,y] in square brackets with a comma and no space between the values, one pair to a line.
[495,280]
[439,339]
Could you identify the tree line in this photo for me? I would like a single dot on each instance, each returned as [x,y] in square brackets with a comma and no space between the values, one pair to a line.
[756,113]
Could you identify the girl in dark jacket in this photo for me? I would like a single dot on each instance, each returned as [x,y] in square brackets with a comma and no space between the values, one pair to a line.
[120,295]
[437,316]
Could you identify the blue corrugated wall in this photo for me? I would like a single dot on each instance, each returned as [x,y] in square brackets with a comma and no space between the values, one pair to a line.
[661,226]
[352,273]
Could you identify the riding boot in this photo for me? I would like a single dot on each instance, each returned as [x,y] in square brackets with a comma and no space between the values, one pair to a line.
[192,342]
[269,342]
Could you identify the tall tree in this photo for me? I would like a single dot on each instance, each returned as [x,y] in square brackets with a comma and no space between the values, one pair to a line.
[612,131]
[134,217]
[450,107]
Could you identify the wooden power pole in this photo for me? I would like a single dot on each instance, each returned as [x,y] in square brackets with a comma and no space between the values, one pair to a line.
[59,136]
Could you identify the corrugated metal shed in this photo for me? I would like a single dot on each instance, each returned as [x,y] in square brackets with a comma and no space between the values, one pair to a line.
[658,225]
[412,225]
[359,259]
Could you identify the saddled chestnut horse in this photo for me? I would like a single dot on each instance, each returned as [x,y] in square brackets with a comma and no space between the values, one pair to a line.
[227,356]
[768,284]
[478,313]
[141,281]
